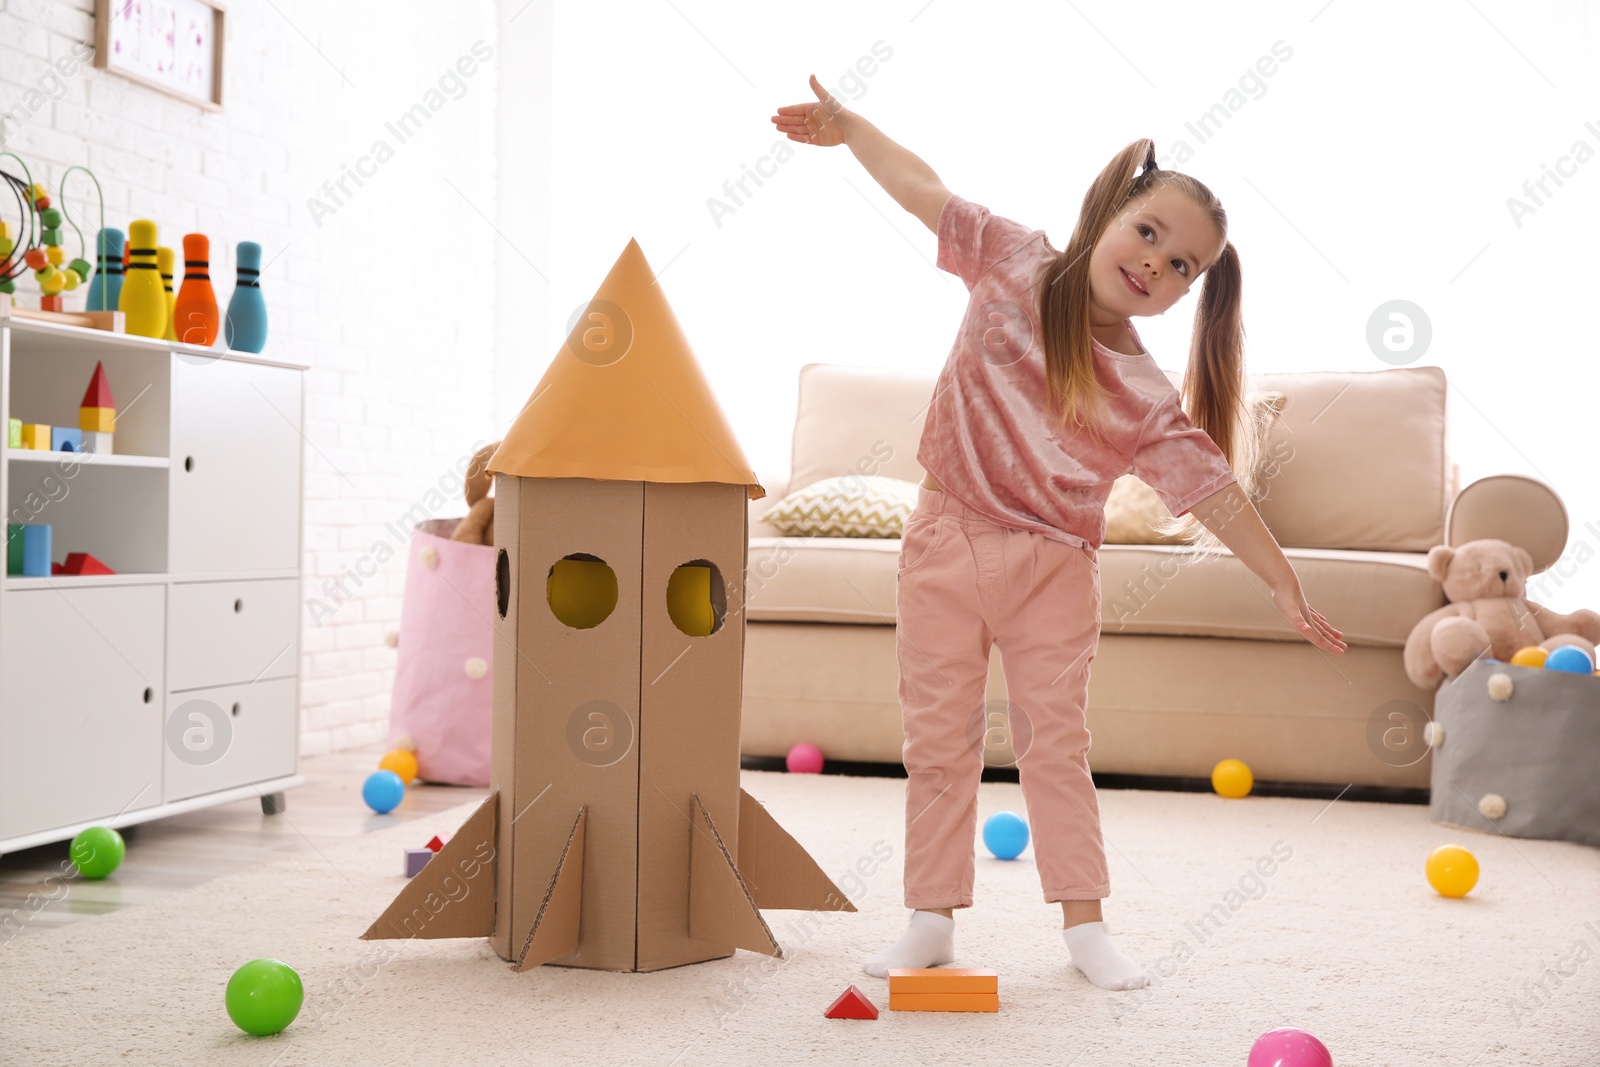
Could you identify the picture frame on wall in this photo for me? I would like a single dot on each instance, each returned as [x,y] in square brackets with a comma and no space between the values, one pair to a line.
[174,46]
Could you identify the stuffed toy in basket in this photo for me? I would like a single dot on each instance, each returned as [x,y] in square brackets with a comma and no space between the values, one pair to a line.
[444,670]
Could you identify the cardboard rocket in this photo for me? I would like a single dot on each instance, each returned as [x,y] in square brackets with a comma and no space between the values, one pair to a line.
[616,835]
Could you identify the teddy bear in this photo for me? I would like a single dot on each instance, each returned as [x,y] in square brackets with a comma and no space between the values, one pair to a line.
[1488,614]
[478,524]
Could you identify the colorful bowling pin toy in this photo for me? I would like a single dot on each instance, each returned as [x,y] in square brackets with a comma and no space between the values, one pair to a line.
[142,300]
[245,328]
[105,288]
[165,258]
[195,315]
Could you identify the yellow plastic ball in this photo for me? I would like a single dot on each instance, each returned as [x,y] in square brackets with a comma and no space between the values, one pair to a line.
[54,254]
[52,283]
[1531,656]
[1232,779]
[1452,870]
[401,763]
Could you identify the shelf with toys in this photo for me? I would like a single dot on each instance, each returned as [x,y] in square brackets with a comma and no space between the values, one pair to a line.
[150,616]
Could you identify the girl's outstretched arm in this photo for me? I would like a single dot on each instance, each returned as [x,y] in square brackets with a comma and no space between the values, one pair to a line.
[1230,515]
[904,176]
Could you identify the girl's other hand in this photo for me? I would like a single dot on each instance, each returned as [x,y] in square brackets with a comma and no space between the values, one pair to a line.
[820,123]
[1291,602]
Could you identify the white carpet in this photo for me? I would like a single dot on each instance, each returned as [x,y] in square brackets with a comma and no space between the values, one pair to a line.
[1344,938]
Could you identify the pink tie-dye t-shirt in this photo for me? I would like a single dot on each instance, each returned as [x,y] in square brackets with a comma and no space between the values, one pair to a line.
[991,439]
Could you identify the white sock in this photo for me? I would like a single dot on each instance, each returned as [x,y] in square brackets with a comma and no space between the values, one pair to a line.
[929,941]
[1100,961]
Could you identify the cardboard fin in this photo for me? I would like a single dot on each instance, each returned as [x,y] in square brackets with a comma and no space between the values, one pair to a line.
[428,908]
[721,909]
[778,870]
[555,927]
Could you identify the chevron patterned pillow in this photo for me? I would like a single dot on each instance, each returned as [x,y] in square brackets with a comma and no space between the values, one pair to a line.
[851,505]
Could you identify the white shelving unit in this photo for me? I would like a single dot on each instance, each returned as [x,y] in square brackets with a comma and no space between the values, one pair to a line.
[174,683]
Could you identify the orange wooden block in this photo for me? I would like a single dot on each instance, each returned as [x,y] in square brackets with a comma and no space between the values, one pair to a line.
[943,1001]
[943,980]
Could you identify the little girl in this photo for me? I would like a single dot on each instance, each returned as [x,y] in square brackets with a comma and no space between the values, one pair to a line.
[1003,545]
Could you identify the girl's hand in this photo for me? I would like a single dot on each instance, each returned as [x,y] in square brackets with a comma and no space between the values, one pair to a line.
[819,124]
[1291,602]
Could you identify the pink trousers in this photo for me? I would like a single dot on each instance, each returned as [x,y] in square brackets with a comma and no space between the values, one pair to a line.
[964,583]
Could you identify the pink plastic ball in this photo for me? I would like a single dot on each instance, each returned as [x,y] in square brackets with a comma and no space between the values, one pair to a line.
[804,759]
[1289,1046]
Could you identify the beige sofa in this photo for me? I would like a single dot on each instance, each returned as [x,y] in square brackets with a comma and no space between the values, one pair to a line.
[1194,663]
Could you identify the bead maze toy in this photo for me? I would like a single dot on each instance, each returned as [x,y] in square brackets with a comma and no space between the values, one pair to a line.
[37,246]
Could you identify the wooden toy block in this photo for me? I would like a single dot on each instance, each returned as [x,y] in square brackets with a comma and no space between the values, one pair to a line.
[96,441]
[36,550]
[14,433]
[943,980]
[943,1001]
[98,395]
[52,302]
[36,435]
[435,843]
[110,321]
[852,1004]
[66,439]
[416,859]
[100,420]
[83,563]
[13,548]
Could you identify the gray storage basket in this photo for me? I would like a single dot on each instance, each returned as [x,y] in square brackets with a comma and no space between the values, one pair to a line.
[1539,750]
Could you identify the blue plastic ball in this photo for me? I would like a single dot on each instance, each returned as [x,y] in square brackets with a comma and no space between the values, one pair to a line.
[383,791]
[1569,658]
[1005,834]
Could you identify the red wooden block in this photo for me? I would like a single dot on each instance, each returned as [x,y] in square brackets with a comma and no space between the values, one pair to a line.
[56,568]
[84,563]
[435,845]
[852,1004]
[98,395]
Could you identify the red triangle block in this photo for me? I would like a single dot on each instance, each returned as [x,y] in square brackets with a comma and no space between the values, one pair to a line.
[435,844]
[852,1004]
[84,563]
[98,395]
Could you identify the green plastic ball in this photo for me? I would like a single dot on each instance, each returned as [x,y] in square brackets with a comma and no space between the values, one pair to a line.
[97,851]
[264,996]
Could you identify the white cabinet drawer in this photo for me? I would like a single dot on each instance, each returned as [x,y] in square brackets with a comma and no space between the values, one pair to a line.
[222,633]
[80,705]
[229,736]
[235,479]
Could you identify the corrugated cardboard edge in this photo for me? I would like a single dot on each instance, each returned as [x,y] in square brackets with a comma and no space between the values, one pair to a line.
[777,870]
[557,924]
[458,916]
[721,909]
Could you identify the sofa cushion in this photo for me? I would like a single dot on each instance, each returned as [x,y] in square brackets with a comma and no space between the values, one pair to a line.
[1360,460]
[851,505]
[1373,598]
[857,420]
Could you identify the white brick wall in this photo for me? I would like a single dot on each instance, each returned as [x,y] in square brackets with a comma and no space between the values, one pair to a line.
[390,298]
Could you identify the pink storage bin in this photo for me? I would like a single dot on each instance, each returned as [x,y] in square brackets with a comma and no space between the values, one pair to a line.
[444,666]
